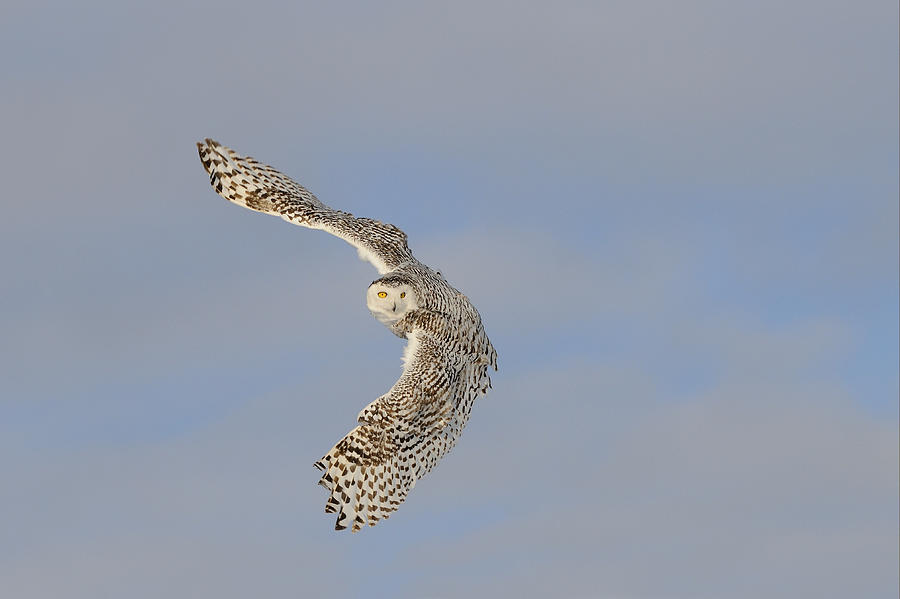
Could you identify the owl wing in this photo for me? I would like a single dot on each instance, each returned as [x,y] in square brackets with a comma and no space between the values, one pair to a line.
[257,186]
[405,432]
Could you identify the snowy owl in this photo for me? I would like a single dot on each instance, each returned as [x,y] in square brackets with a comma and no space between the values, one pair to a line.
[402,434]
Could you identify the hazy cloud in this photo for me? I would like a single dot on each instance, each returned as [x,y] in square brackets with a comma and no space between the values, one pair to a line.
[678,222]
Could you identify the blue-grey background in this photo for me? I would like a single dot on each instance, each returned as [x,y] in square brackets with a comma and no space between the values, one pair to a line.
[678,220]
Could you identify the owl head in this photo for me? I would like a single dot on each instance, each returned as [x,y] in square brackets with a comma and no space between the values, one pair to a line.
[390,298]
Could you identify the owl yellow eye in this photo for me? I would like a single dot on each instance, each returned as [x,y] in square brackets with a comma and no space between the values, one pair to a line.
[382,294]
[402,294]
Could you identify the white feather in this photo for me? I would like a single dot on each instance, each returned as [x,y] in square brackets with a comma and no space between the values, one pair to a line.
[409,351]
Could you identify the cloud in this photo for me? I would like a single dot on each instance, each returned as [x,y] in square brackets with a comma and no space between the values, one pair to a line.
[584,479]
[774,490]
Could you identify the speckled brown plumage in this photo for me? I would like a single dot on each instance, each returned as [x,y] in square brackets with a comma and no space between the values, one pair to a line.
[405,432]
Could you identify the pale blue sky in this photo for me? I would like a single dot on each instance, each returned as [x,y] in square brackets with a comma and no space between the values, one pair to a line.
[678,220]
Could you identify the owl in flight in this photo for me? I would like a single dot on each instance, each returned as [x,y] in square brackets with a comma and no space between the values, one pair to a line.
[401,435]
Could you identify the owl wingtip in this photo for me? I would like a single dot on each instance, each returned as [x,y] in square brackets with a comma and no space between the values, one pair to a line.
[207,142]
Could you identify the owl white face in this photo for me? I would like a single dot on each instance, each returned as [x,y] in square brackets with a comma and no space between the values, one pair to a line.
[390,303]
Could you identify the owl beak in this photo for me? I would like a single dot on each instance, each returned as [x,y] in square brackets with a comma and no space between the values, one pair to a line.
[394,309]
